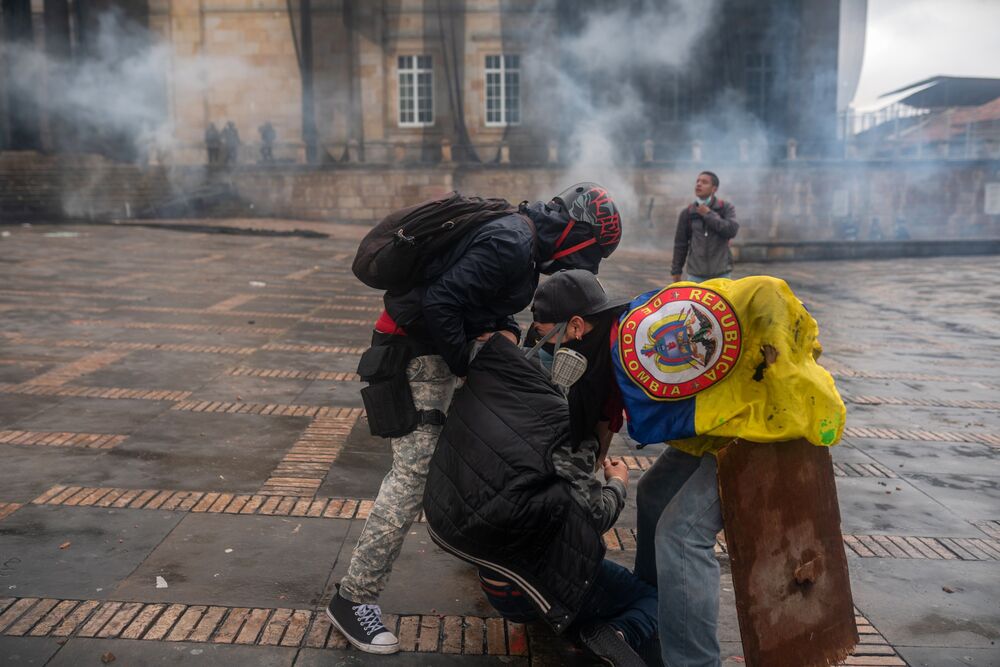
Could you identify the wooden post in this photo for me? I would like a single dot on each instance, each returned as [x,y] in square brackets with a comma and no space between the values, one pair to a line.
[793,590]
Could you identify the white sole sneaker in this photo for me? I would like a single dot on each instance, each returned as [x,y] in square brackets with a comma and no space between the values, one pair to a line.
[386,649]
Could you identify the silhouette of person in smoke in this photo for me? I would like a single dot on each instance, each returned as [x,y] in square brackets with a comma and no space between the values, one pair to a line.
[267,137]
[231,143]
[875,230]
[213,144]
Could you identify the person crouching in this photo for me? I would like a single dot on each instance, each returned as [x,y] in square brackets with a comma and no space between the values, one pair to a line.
[511,491]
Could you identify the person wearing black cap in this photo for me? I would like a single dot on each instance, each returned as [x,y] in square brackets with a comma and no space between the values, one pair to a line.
[575,302]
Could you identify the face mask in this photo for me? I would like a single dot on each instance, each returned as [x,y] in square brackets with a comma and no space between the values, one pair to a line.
[566,366]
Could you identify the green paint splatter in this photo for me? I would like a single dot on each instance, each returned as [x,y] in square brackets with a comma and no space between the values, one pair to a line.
[827,431]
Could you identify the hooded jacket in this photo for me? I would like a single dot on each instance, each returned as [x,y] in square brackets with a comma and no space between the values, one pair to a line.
[702,242]
[493,496]
[486,278]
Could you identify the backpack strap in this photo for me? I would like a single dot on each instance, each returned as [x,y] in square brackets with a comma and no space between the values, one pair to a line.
[431,417]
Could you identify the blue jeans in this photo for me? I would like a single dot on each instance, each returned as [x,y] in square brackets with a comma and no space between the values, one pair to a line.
[617,598]
[701,279]
[679,516]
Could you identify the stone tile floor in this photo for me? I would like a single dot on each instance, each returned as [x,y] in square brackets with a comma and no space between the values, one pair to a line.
[184,464]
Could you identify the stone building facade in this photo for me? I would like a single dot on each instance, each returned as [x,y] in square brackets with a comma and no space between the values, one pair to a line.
[403,81]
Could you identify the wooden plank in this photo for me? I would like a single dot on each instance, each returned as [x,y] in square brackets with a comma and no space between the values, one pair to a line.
[782,522]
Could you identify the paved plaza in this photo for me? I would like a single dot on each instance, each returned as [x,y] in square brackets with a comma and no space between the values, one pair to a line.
[185,464]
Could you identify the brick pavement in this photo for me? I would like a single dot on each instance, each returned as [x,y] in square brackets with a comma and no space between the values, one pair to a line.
[218,372]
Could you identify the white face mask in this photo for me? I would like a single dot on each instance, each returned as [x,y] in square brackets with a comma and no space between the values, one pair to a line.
[565,366]
[568,366]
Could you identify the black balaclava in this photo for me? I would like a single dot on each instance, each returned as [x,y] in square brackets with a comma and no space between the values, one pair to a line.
[550,222]
[588,395]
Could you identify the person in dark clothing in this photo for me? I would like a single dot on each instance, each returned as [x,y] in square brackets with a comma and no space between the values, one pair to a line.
[213,144]
[617,618]
[230,144]
[469,493]
[511,491]
[704,230]
[267,137]
[468,294]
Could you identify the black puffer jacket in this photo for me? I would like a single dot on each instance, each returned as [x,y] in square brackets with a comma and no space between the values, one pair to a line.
[493,497]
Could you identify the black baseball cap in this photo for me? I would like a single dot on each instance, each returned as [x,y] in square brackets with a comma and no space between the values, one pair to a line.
[572,292]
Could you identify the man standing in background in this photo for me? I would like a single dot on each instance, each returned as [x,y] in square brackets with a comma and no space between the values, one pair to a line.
[704,230]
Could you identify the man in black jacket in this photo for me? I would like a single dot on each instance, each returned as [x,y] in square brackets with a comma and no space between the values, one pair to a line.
[511,491]
[704,230]
[468,294]
[487,490]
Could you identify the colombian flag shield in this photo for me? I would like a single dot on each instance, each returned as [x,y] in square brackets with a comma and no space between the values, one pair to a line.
[701,364]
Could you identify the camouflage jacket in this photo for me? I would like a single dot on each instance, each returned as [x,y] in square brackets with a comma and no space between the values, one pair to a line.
[604,501]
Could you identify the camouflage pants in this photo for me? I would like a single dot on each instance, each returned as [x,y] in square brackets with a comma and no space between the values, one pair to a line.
[402,491]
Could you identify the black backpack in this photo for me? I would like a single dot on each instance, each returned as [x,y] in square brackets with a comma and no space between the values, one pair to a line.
[394,254]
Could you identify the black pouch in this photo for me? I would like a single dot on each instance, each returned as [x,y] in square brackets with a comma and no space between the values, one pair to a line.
[387,398]
[381,362]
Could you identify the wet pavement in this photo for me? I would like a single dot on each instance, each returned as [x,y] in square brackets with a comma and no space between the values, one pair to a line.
[185,465]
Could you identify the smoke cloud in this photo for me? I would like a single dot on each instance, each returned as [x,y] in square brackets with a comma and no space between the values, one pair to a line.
[601,75]
[113,95]
[112,98]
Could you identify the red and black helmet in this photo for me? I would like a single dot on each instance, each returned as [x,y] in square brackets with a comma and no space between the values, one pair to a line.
[591,204]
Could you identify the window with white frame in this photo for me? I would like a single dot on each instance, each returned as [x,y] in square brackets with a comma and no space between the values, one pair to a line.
[503,90]
[416,91]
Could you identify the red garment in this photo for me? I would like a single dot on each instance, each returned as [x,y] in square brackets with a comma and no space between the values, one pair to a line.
[387,325]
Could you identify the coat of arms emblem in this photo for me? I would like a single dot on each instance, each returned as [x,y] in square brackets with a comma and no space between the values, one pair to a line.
[679,341]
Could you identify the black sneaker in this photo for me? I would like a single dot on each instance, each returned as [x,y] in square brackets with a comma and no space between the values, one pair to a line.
[361,624]
[605,642]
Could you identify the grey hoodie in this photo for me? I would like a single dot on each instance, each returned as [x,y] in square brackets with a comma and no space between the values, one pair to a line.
[703,242]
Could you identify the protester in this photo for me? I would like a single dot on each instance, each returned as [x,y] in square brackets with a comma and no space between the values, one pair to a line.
[213,144]
[512,491]
[700,367]
[230,137]
[704,230]
[679,513]
[488,513]
[468,293]
[267,137]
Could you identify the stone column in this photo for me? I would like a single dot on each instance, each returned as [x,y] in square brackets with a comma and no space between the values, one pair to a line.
[23,131]
[59,51]
[188,104]
[371,72]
